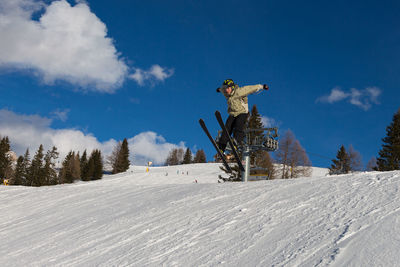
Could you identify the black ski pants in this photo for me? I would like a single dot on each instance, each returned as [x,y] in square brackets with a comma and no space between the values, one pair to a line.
[236,126]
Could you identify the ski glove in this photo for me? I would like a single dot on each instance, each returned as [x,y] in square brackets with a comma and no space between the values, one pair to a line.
[265,87]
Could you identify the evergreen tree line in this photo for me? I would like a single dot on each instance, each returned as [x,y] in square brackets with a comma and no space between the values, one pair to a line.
[291,160]
[42,169]
[178,156]
[389,154]
[82,168]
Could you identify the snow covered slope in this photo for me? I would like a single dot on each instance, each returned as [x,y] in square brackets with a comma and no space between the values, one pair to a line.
[153,219]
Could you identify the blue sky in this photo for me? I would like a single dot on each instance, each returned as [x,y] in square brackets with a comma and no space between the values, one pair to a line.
[85,74]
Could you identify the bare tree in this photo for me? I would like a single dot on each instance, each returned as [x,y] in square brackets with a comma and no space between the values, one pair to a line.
[292,158]
[265,161]
[300,164]
[175,157]
[180,155]
[355,159]
[112,159]
[200,157]
[372,164]
[283,154]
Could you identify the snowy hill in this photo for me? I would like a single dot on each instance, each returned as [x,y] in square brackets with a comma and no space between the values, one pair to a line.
[153,219]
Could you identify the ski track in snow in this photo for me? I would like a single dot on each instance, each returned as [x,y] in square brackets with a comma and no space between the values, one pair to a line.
[150,219]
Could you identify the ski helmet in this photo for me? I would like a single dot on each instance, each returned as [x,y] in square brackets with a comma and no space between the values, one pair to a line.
[227,83]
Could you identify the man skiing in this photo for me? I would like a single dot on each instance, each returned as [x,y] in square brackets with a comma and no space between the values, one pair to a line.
[238,110]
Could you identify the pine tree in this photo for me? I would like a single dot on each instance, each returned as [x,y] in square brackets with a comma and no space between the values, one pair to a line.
[254,137]
[255,122]
[234,176]
[26,166]
[50,174]
[124,155]
[341,164]
[187,158]
[94,167]
[119,159]
[65,175]
[97,164]
[389,155]
[84,164]
[90,169]
[200,156]
[18,178]
[5,161]
[36,169]
[71,169]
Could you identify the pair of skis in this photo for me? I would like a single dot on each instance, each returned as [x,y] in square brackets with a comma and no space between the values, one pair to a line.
[225,131]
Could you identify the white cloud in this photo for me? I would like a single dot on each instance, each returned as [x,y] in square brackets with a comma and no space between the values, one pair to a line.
[336,95]
[67,43]
[29,131]
[155,74]
[149,146]
[360,98]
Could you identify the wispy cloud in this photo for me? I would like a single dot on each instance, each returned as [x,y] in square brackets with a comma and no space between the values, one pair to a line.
[268,122]
[360,98]
[155,74]
[336,95]
[29,131]
[67,42]
[61,115]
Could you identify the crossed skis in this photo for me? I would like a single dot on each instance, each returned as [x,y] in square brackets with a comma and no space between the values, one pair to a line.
[230,141]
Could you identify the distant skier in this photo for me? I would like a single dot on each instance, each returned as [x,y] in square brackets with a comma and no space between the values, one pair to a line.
[238,109]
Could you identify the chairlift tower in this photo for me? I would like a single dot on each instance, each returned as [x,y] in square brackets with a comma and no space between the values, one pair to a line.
[267,142]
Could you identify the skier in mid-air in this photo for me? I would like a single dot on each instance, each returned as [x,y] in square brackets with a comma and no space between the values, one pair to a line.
[238,109]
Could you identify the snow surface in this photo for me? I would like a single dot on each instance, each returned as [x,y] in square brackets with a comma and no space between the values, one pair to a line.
[152,219]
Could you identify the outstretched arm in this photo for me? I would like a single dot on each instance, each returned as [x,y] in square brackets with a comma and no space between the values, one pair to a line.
[250,89]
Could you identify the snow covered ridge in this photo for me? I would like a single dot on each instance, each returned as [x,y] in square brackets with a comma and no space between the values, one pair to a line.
[122,220]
